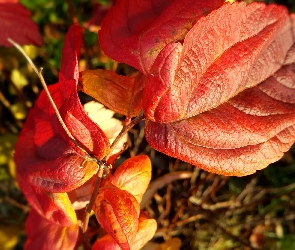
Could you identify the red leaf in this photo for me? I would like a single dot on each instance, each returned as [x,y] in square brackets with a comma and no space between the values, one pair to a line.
[134,32]
[45,235]
[17,25]
[55,207]
[117,211]
[210,67]
[133,175]
[146,230]
[99,12]
[106,243]
[121,94]
[44,154]
[205,99]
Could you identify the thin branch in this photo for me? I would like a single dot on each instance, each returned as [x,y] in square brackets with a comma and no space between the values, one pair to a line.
[102,168]
[88,156]
[39,73]
[124,131]
[72,12]
[89,206]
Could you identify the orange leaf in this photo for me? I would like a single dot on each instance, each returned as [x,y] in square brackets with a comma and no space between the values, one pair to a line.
[117,211]
[106,243]
[121,94]
[46,235]
[146,229]
[133,175]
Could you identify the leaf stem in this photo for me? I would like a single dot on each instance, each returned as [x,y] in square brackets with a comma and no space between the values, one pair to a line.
[88,208]
[100,172]
[124,131]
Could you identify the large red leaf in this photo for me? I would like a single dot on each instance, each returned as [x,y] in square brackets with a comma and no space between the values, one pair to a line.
[55,207]
[117,211]
[121,94]
[17,25]
[226,102]
[134,32]
[44,154]
[45,235]
[212,66]
[134,176]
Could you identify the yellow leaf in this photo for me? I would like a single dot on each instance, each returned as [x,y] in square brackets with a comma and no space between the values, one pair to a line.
[9,237]
[172,244]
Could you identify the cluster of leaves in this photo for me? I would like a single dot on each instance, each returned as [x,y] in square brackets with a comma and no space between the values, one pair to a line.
[216,90]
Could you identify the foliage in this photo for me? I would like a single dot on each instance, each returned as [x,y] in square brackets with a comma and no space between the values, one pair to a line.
[214,83]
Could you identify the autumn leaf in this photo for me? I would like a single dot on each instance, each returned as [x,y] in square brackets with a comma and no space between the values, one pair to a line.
[224,99]
[117,205]
[134,32]
[17,25]
[45,235]
[44,154]
[134,176]
[121,94]
[55,207]
[117,211]
[146,230]
[106,243]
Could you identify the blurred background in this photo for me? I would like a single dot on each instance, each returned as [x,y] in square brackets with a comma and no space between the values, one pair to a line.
[194,209]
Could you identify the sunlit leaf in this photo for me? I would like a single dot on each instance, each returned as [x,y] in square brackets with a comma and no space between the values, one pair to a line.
[111,126]
[226,103]
[46,235]
[117,211]
[133,175]
[146,230]
[134,32]
[55,207]
[121,94]
[45,155]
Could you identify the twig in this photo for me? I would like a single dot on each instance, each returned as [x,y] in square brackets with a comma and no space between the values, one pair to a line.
[84,224]
[100,174]
[92,199]
[72,11]
[124,131]
[39,73]
[16,204]
[235,237]
[161,182]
